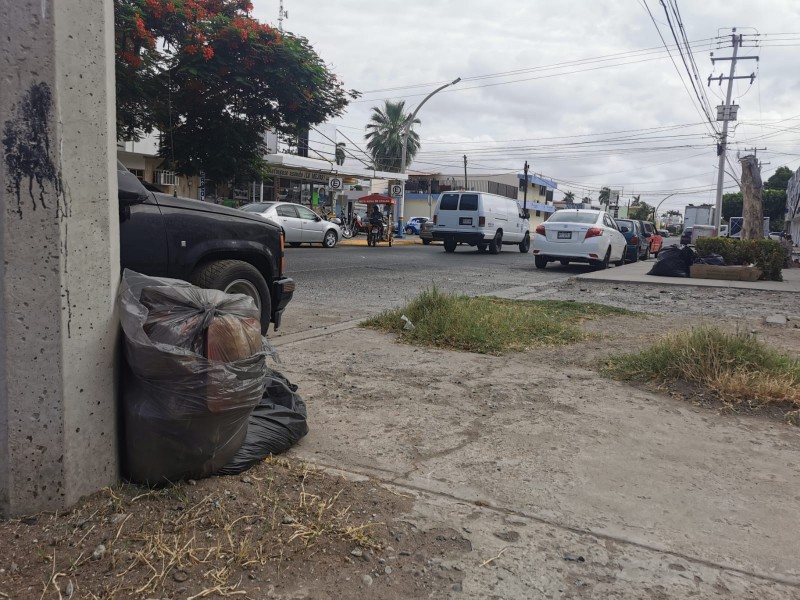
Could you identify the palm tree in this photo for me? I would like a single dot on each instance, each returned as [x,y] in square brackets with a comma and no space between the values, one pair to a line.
[569,197]
[605,195]
[385,136]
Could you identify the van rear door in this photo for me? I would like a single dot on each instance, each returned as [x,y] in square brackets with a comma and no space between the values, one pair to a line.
[447,211]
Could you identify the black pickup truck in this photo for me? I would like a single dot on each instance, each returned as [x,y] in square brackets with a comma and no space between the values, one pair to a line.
[208,245]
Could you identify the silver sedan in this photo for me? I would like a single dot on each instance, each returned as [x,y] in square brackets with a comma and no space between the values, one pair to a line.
[300,225]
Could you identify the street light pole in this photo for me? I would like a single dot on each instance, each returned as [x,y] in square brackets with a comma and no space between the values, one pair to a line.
[655,210]
[406,131]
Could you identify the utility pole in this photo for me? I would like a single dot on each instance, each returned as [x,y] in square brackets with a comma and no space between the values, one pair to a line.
[754,152]
[525,194]
[727,113]
[466,187]
[282,14]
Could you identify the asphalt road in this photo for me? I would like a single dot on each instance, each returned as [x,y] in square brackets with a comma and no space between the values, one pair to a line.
[359,280]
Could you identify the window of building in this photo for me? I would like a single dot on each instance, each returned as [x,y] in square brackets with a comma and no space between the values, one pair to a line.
[538,213]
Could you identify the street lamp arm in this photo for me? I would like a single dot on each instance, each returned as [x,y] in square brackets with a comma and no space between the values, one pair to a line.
[404,153]
[410,121]
[655,210]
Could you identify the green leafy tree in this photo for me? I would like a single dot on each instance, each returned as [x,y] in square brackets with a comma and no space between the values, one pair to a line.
[780,179]
[732,206]
[569,197]
[213,80]
[642,211]
[774,205]
[385,136]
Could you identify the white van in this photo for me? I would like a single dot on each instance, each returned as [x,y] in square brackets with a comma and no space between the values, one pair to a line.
[482,220]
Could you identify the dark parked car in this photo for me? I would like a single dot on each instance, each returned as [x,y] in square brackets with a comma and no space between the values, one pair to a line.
[208,245]
[638,244]
[686,236]
[426,232]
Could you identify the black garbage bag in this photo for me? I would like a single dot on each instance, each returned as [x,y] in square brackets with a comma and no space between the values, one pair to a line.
[673,261]
[185,415]
[276,424]
[710,259]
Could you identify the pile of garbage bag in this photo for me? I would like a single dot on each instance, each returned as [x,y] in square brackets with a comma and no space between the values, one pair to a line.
[196,387]
[673,261]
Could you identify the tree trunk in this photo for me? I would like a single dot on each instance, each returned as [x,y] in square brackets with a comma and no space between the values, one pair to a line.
[753,210]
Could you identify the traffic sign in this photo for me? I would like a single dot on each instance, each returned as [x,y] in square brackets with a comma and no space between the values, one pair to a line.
[335,183]
[396,190]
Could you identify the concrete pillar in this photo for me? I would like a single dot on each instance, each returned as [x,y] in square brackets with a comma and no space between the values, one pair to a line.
[59,253]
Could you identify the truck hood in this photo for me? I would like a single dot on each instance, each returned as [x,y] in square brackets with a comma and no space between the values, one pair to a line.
[190,204]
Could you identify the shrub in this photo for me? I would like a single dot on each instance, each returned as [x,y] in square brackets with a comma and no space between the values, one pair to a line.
[767,255]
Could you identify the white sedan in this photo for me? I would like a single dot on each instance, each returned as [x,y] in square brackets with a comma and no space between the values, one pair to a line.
[300,225]
[579,235]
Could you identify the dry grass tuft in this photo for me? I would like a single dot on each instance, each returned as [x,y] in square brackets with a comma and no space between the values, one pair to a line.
[736,367]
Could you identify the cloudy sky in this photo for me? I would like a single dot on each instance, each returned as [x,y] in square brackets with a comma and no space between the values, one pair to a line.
[584,90]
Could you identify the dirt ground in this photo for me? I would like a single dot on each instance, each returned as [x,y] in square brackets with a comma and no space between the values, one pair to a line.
[437,474]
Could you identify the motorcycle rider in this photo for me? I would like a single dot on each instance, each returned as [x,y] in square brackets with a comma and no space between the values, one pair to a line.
[376,220]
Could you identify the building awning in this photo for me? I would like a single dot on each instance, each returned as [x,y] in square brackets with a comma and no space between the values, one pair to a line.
[290,165]
[539,181]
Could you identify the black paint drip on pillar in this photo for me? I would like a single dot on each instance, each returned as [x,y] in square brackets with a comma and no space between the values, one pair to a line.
[26,142]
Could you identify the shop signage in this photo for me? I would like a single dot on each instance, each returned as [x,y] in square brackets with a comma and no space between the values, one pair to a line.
[298,174]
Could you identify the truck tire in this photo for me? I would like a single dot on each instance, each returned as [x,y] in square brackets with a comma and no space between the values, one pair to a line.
[450,246]
[496,245]
[237,277]
[525,244]
[425,242]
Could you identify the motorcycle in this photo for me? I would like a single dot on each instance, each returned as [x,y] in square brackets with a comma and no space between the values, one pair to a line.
[347,230]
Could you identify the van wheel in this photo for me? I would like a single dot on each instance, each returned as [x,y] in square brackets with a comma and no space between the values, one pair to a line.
[425,242]
[481,247]
[496,245]
[525,244]
[237,277]
[450,246]
[294,244]
[540,261]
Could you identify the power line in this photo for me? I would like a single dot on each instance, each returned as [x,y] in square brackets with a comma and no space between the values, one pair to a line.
[680,76]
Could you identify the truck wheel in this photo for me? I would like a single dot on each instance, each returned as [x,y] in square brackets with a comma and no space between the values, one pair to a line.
[525,244]
[330,239]
[425,242]
[496,245]
[450,246]
[481,247]
[237,277]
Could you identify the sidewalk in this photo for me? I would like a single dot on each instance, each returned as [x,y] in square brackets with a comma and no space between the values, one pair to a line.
[361,240]
[637,273]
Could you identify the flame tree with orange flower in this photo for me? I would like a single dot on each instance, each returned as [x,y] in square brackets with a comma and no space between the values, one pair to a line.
[213,79]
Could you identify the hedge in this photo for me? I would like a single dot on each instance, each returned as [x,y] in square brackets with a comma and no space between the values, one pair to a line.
[767,255]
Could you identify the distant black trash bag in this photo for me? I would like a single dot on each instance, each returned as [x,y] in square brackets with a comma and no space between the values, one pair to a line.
[276,424]
[710,259]
[185,415]
[673,261]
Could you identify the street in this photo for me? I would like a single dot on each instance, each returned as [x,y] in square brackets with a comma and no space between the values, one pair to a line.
[358,280]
